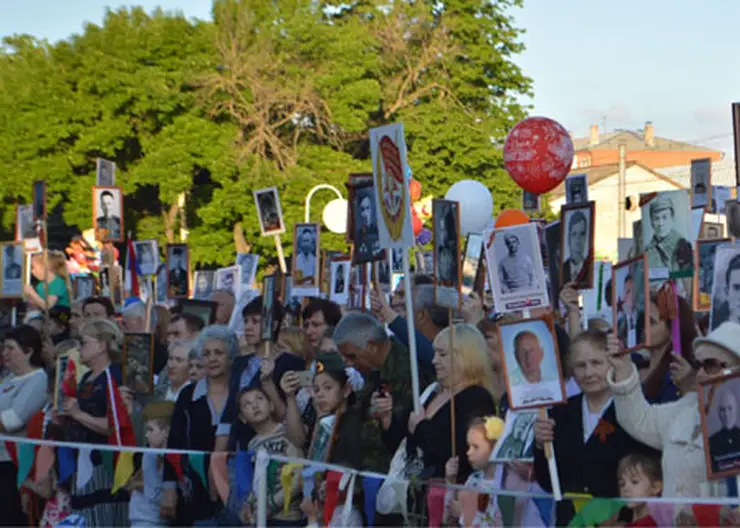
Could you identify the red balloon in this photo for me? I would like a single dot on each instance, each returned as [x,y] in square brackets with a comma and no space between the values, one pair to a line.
[415,190]
[538,154]
[417,224]
[511,217]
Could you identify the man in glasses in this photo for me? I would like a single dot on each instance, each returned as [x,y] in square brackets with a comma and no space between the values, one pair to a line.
[724,445]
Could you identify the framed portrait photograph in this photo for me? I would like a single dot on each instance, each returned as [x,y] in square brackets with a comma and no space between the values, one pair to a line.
[108,213]
[248,263]
[147,254]
[706,251]
[666,232]
[205,284]
[177,273]
[577,245]
[340,278]
[531,361]
[305,267]
[630,306]
[720,195]
[732,213]
[25,227]
[84,287]
[712,230]
[446,243]
[701,183]
[354,179]
[397,260]
[554,245]
[162,287]
[530,202]
[517,440]
[359,286]
[424,262]
[365,224]
[725,301]
[13,262]
[105,173]
[382,274]
[471,263]
[719,407]
[138,362]
[203,310]
[269,294]
[516,272]
[327,257]
[269,211]
[236,322]
[229,279]
[597,302]
[60,373]
[39,200]
[576,189]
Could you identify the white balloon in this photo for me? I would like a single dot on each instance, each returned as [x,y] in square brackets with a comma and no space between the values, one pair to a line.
[335,215]
[476,205]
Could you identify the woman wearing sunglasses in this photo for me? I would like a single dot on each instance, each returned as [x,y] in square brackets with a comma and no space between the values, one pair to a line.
[675,427]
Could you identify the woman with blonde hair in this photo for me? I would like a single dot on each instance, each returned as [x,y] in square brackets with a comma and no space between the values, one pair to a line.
[87,415]
[465,373]
[53,278]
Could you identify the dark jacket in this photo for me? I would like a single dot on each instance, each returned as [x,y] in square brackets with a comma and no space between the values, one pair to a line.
[585,468]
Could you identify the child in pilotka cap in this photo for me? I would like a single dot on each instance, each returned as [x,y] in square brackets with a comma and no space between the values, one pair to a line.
[146,486]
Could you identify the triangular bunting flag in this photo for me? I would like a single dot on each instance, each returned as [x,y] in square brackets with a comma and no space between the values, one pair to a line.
[332,493]
[84,467]
[67,464]
[176,462]
[596,511]
[25,462]
[220,475]
[124,471]
[12,452]
[436,505]
[198,463]
[370,487]
[287,474]
[44,462]
[244,473]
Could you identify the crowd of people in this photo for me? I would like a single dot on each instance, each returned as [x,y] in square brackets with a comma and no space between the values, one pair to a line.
[334,386]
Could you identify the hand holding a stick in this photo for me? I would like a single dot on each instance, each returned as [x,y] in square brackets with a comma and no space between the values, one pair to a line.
[621,363]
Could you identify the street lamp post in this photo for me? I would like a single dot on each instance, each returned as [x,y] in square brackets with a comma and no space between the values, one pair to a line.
[313,191]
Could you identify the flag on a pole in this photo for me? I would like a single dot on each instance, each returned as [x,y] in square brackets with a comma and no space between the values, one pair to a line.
[133,268]
[118,417]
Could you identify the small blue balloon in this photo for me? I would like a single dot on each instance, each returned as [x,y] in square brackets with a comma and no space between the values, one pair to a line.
[425,236]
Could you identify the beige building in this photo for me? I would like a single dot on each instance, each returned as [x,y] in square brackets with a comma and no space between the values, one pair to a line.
[603,188]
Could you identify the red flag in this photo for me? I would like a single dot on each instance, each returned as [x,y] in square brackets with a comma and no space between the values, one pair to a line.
[176,462]
[69,381]
[118,417]
[133,268]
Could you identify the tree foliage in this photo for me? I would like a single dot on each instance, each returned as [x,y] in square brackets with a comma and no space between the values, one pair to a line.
[268,93]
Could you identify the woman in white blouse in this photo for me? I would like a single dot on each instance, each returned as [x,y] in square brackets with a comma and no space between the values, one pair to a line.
[22,394]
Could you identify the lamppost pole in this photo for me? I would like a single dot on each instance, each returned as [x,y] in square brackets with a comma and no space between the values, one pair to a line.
[313,191]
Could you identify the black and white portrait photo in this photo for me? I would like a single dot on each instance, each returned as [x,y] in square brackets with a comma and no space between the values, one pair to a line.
[105,173]
[701,182]
[516,272]
[531,363]
[530,202]
[305,269]
[706,251]
[269,211]
[577,239]
[147,254]
[248,263]
[472,258]
[630,312]
[666,231]
[178,261]
[576,189]
[446,218]
[397,260]
[13,260]
[719,398]
[108,213]
[365,223]
[340,278]
[382,273]
[40,211]
[725,300]
[517,440]
[25,228]
[84,287]
[720,195]
[205,282]
[732,212]
[269,293]
[712,230]
[229,279]
[162,291]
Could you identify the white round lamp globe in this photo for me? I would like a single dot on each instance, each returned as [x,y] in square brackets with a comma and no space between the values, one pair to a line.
[476,205]
[335,215]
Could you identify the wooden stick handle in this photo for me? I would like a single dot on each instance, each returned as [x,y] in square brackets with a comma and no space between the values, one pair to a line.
[452,389]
